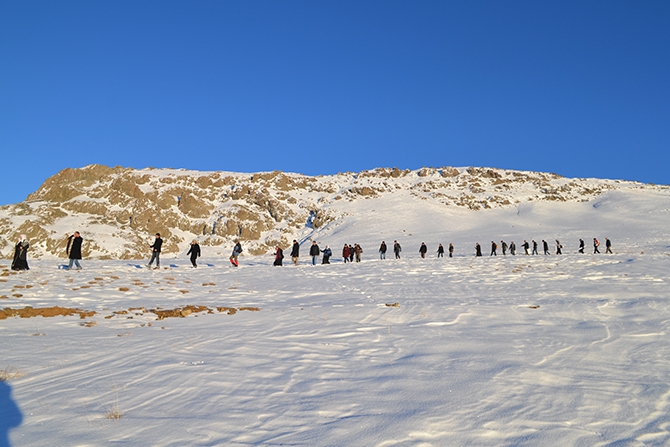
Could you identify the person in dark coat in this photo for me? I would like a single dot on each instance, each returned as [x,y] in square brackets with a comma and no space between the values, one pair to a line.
[596,244]
[327,253]
[608,246]
[512,248]
[423,249]
[237,251]
[314,252]
[194,251]
[478,249]
[20,261]
[352,252]
[559,248]
[451,250]
[545,247]
[494,249]
[397,249]
[382,250]
[503,245]
[295,252]
[525,246]
[581,245]
[156,251]
[535,248]
[279,256]
[73,250]
[345,253]
[440,251]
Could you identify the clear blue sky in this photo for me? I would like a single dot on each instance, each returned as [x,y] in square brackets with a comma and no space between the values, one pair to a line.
[580,88]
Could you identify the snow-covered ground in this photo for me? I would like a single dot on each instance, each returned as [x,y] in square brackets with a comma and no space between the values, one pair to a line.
[516,350]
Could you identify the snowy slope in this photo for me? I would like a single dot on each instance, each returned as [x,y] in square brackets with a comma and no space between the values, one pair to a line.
[523,350]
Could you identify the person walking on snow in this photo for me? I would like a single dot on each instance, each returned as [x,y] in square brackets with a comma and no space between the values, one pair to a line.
[451,250]
[494,249]
[512,248]
[352,252]
[525,246]
[237,251]
[608,246]
[279,256]
[382,250]
[545,246]
[327,253]
[559,248]
[423,249]
[596,244]
[73,250]
[440,251]
[503,244]
[295,252]
[535,248]
[397,249]
[20,261]
[345,253]
[156,251]
[314,252]
[478,249]
[194,251]
[358,250]
[581,245]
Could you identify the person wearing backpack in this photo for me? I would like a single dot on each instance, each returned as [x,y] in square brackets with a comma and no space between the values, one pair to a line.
[596,244]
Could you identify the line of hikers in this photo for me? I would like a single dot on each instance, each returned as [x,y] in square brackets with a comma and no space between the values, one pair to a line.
[349,252]
[545,247]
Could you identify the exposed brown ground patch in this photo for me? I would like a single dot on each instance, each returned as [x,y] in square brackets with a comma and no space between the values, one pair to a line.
[28,312]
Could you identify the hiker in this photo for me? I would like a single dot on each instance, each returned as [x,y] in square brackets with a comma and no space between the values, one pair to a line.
[581,246]
[397,249]
[345,253]
[358,250]
[503,244]
[494,249]
[295,252]
[545,247]
[279,256]
[194,251]
[512,248]
[156,251]
[352,252]
[525,246]
[535,248]
[451,250]
[559,248]
[20,261]
[423,249]
[608,246]
[478,249]
[596,244]
[237,251]
[382,250]
[440,251]
[327,253]
[314,252]
[73,250]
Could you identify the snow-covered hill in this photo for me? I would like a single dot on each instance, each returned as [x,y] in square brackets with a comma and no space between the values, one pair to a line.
[118,209]
[464,351]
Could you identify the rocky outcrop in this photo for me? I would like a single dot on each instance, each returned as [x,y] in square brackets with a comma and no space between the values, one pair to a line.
[121,208]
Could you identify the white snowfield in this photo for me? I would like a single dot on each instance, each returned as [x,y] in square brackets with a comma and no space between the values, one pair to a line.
[568,350]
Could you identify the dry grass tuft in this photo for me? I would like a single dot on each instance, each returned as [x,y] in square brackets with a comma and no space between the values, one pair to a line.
[114,413]
[10,373]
